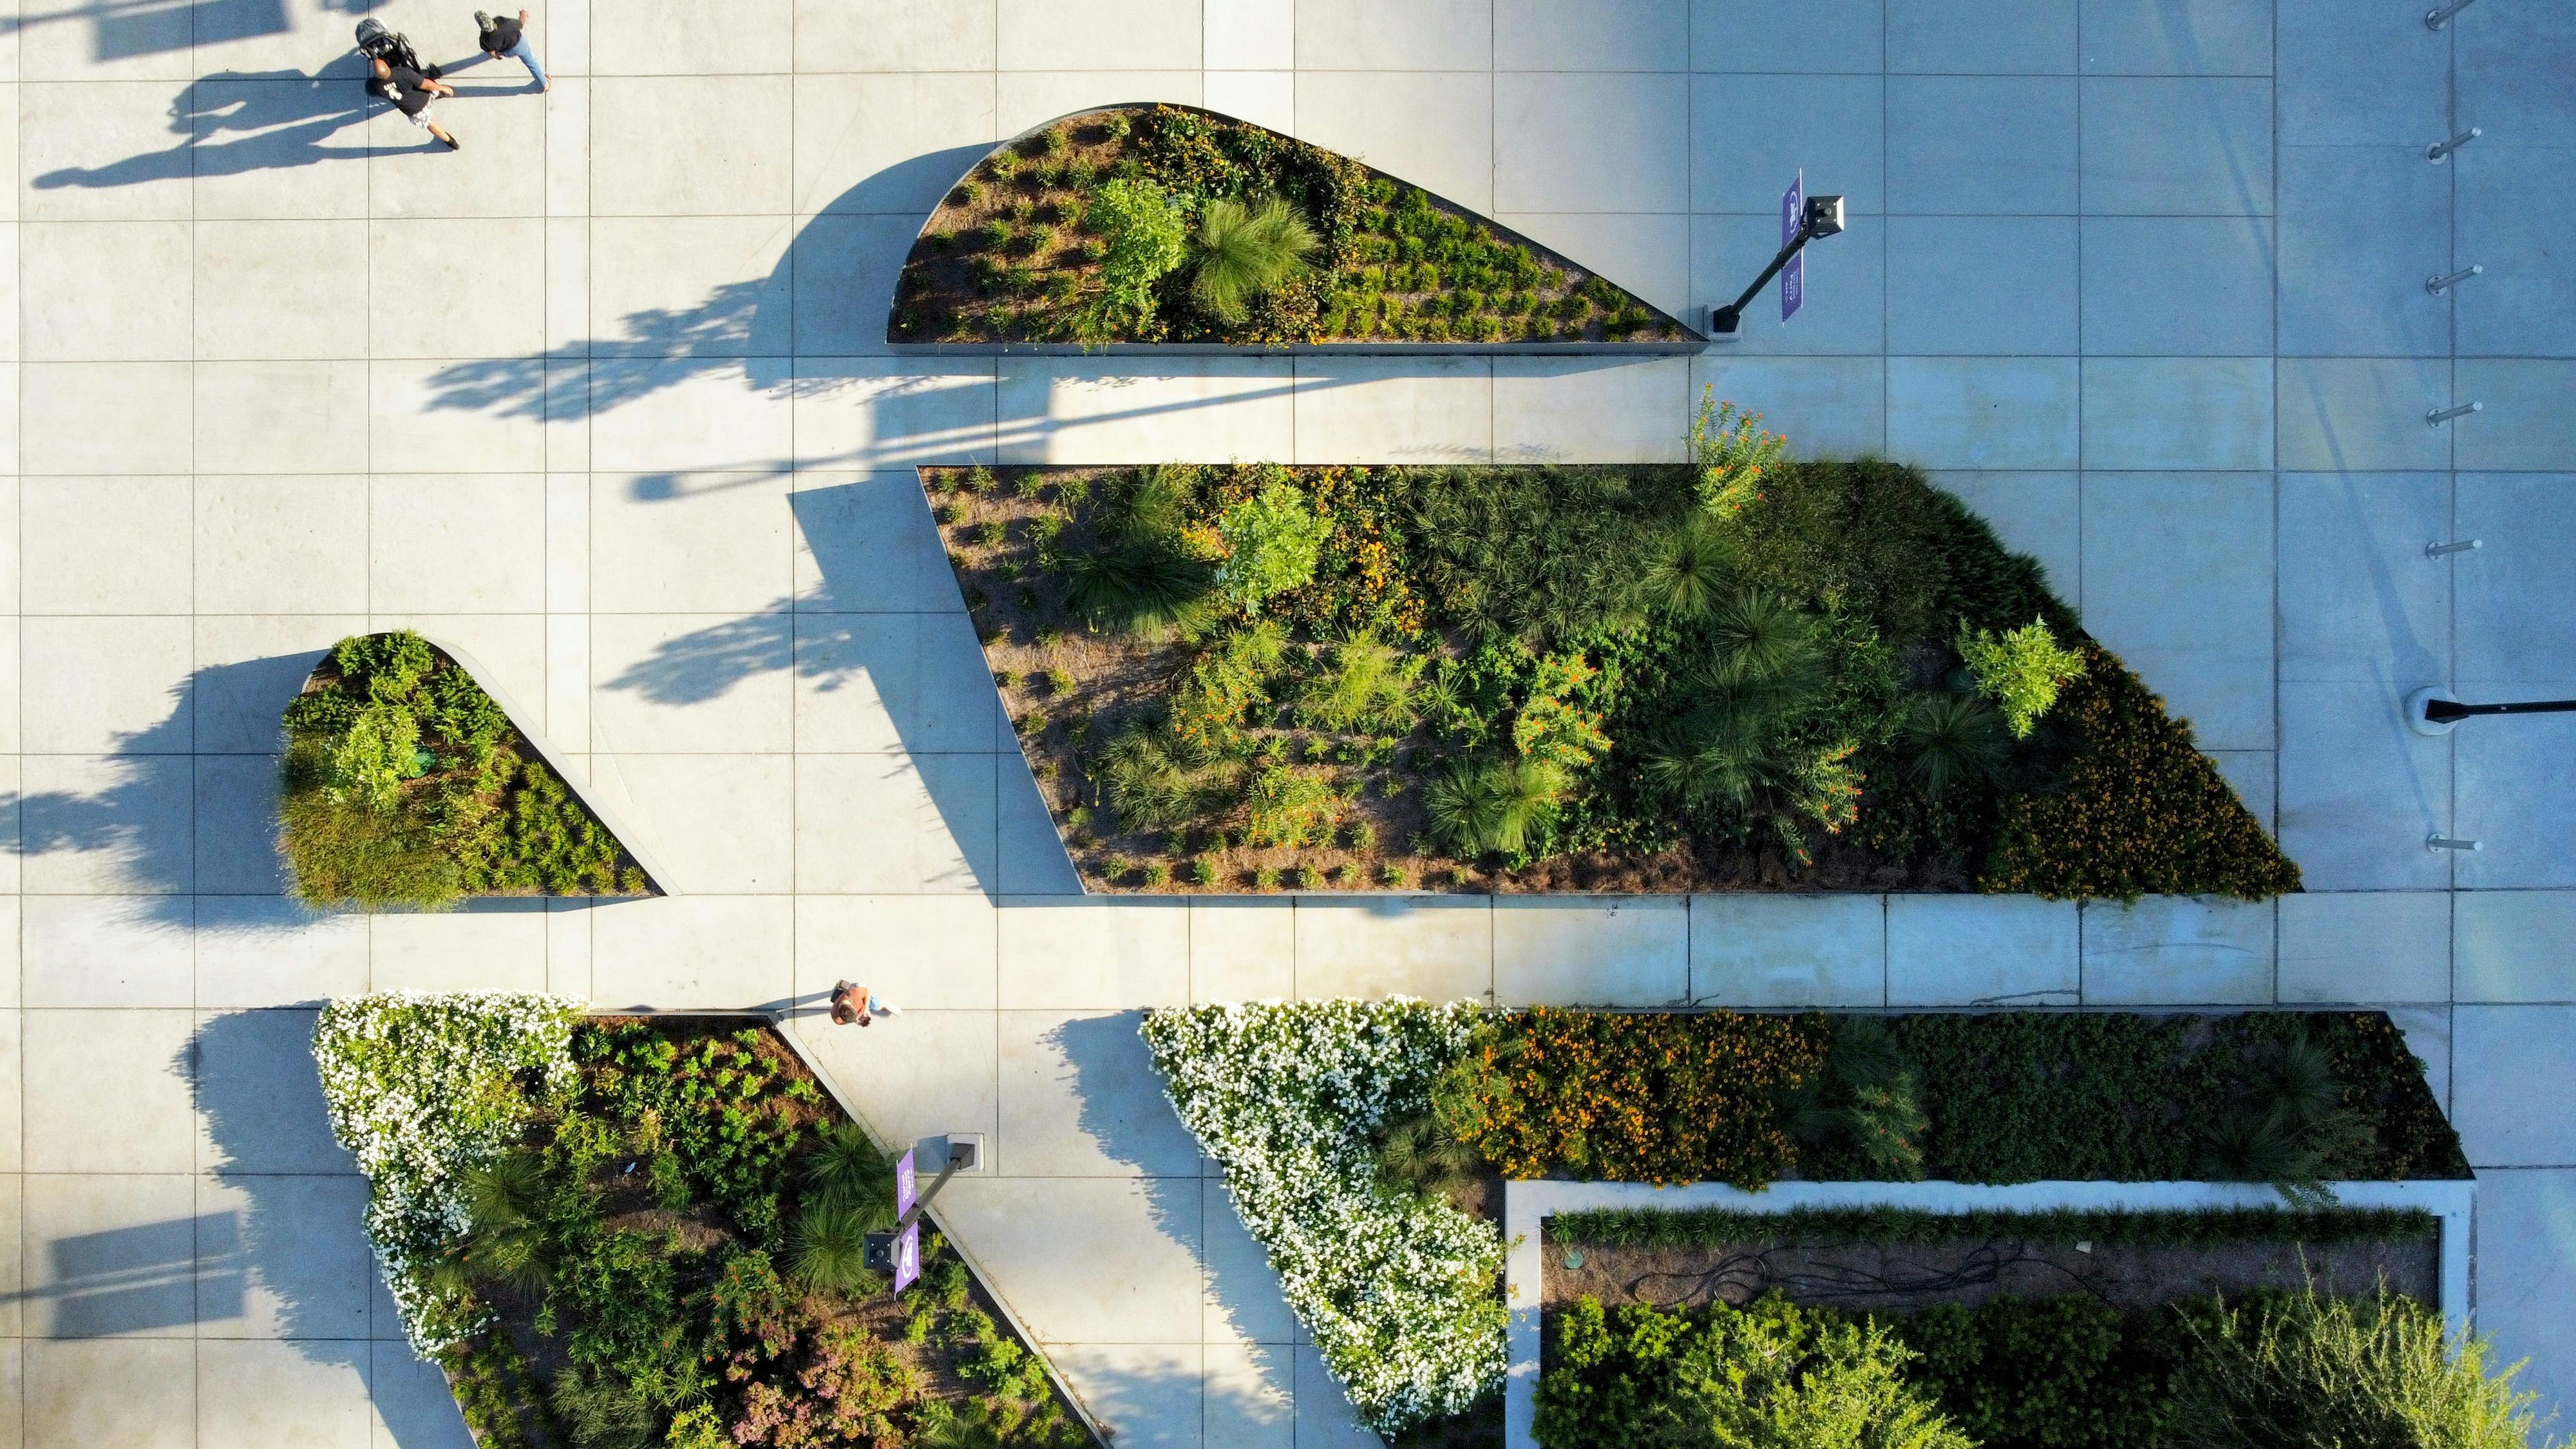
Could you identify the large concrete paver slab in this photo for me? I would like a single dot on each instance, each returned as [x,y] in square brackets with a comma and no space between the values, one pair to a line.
[2527,1265]
[2513,946]
[1762,950]
[2507,1062]
[1968,950]
[2355,946]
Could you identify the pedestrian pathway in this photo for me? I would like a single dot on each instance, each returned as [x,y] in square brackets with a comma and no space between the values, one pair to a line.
[603,399]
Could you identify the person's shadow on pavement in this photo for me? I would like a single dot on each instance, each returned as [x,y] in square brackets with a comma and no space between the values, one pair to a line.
[276,119]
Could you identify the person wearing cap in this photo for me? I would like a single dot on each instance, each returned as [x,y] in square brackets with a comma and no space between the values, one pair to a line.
[508,37]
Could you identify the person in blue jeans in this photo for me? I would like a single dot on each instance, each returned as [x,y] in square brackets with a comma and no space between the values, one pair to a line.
[509,37]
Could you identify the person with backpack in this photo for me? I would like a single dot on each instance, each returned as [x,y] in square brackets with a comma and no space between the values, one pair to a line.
[509,37]
[411,93]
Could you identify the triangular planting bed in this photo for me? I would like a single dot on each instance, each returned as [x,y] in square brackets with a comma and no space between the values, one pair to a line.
[405,784]
[1568,678]
[1029,250]
[654,1231]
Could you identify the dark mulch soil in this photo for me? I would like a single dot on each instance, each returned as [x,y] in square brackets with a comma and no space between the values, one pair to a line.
[1970,1271]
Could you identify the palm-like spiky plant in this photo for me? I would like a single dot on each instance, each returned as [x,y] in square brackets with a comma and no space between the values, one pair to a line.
[829,1248]
[1689,568]
[1494,807]
[504,1243]
[846,1167]
[1141,588]
[1418,1153]
[1246,249]
[1951,739]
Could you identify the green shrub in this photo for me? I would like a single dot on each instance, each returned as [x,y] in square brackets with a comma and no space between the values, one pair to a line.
[1732,455]
[2064,1372]
[1291,808]
[1770,1374]
[1143,230]
[1202,872]
[1366,686]
[2021,672]
[1272,541]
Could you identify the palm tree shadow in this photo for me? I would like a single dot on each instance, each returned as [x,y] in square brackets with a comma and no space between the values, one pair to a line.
[287,1247]
[182,807]
[750,324]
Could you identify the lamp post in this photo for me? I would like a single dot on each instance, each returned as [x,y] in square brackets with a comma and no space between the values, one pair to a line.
[2434,710]
[1823,217]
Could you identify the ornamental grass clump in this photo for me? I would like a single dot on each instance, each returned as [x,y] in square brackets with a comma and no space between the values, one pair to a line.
[2302,1370]
[1246,249]
[1400,1290]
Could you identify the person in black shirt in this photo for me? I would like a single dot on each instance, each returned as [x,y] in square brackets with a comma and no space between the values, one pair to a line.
[411,93]
[509,37]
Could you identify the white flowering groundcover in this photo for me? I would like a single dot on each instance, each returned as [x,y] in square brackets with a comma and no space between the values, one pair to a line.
[1401,1292]
[419,1087]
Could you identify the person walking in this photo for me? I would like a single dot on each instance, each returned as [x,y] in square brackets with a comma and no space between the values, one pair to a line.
[855,1005]
[509,37]
[411,93]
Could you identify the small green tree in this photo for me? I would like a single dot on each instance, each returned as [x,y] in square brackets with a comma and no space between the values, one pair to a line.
[1732,455]
[2021,672]
[1144,232]
[1272,541]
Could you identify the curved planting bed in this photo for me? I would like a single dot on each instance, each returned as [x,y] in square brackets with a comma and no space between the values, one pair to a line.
[404,784]
[1159,225]
[1736,673]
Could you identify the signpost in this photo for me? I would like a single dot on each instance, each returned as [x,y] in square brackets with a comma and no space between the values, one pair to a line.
[1803,218]
[899,1251]
[907,1256]
[1793,278]
[907,1244]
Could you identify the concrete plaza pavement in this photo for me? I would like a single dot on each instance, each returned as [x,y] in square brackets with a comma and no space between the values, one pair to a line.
[603,399]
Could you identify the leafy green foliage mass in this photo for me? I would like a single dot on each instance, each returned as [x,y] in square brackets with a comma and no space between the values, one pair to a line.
[1767,1375]
[684,1227]
[1143,228]
[1276,241]
[403,784]
[1838,678]
[1271,543]
[2278,1370]
[2022,671]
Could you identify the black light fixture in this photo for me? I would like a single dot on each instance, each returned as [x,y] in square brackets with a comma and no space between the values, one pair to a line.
[2434,710]
[1823,217]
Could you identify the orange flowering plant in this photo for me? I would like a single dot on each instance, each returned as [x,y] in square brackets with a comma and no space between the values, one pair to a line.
[1657,1097]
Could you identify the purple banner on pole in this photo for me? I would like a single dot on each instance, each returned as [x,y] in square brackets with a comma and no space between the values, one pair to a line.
[1793,278]
[907,1257]
[903,1188]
